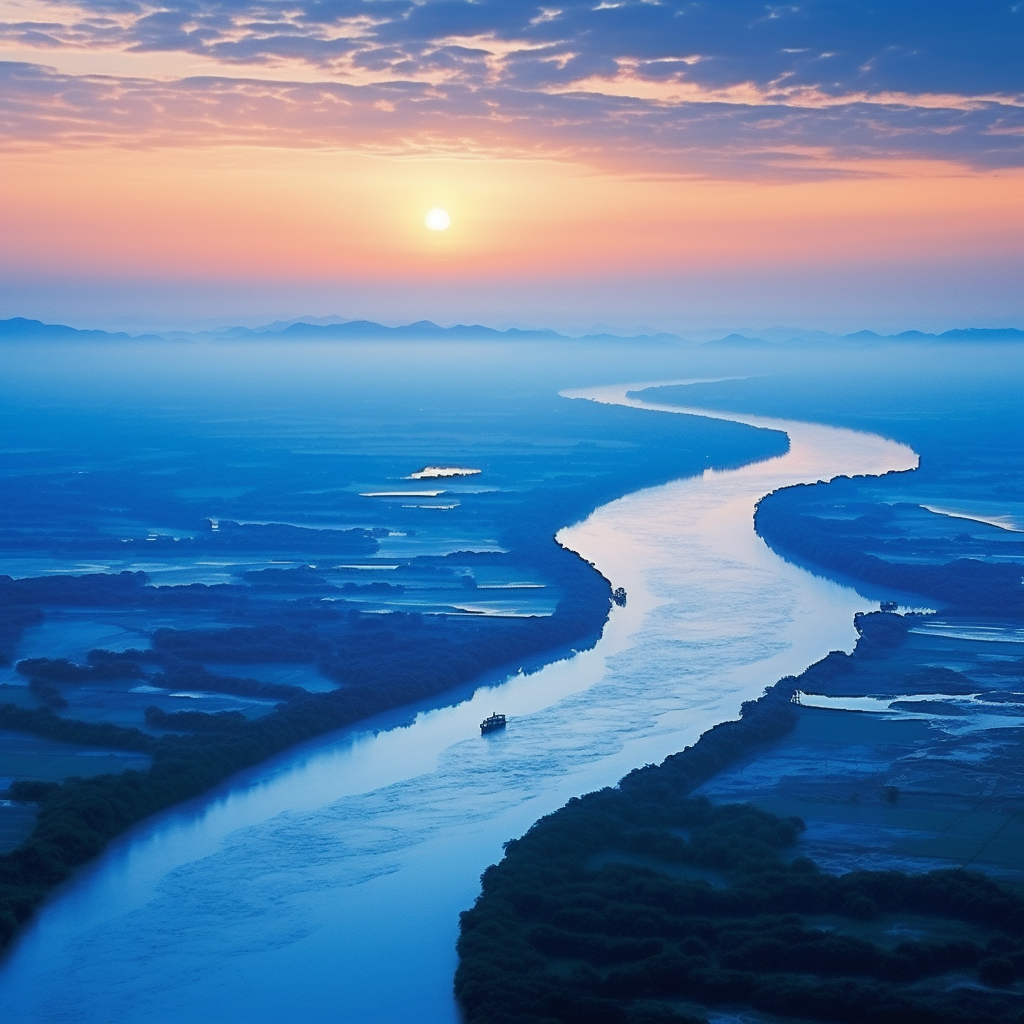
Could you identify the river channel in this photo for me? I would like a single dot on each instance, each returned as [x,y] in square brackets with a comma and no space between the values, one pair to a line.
[326,886]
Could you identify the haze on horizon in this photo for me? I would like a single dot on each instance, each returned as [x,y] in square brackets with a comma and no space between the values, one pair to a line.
[668,166]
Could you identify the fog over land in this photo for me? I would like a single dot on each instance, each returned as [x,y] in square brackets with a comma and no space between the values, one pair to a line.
[259,591]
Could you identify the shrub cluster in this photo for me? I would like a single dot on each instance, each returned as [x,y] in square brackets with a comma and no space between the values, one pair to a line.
[634,901]
[383,662]
[600,913]
[968,585]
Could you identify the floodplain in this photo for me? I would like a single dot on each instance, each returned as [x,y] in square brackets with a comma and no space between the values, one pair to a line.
[214,588]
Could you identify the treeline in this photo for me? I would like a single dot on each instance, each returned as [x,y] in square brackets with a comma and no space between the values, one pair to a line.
[226,535]
[786,520]
[307,579]
[385,651]
[23,600]
[631,902]
[28,596]
[196,677]
[194,721]
[87,591]
[44,675]
[43,722]
[60,670]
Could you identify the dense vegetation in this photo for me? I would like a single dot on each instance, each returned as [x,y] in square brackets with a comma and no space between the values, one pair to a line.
[224,536]
[385,661]
[807,520]
[570,928]
[642,905]
[565,459]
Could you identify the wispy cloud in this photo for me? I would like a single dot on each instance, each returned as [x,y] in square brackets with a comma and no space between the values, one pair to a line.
[681,86]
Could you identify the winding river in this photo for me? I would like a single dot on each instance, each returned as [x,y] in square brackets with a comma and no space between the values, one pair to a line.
[326,886]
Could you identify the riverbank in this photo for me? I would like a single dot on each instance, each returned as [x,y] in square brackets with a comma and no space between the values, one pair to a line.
[407,819]
[379,616]
[902,758]
[907,758]
[641,904]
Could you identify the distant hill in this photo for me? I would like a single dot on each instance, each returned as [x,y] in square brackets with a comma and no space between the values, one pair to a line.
[782,338]
[332,328]
[739,341]
[421,329]
[963,334]
[427,330]
[20,329]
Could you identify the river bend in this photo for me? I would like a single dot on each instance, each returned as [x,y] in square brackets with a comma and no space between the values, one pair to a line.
[326,886]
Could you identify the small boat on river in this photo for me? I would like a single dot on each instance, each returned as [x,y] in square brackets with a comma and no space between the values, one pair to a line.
[492,723]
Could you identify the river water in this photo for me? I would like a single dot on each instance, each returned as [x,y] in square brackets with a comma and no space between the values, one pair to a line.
[326,886]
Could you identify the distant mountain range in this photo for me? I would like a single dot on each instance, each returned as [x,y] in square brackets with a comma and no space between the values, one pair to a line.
[20,329]
[421,330]
[816,339]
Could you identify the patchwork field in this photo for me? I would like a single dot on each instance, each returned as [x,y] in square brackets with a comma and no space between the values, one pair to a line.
[931,776]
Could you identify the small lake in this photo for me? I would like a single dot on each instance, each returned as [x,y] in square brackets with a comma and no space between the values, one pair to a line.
[326,886]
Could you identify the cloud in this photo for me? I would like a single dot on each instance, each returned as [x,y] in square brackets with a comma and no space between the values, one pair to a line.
[680,86]
[679,89]
[43,107]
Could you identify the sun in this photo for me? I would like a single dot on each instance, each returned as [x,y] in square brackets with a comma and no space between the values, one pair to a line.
[437,219]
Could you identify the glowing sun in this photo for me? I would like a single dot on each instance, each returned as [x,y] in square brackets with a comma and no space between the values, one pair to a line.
[437,219]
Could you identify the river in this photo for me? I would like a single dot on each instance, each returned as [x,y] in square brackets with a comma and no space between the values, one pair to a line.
[326,885]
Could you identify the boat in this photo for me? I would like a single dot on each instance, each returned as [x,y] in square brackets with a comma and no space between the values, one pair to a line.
[493,723]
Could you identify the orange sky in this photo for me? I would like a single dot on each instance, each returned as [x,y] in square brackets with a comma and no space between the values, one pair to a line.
[301,214]
[664,164]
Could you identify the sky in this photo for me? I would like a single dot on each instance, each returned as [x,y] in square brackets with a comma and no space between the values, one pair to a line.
[643,164]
